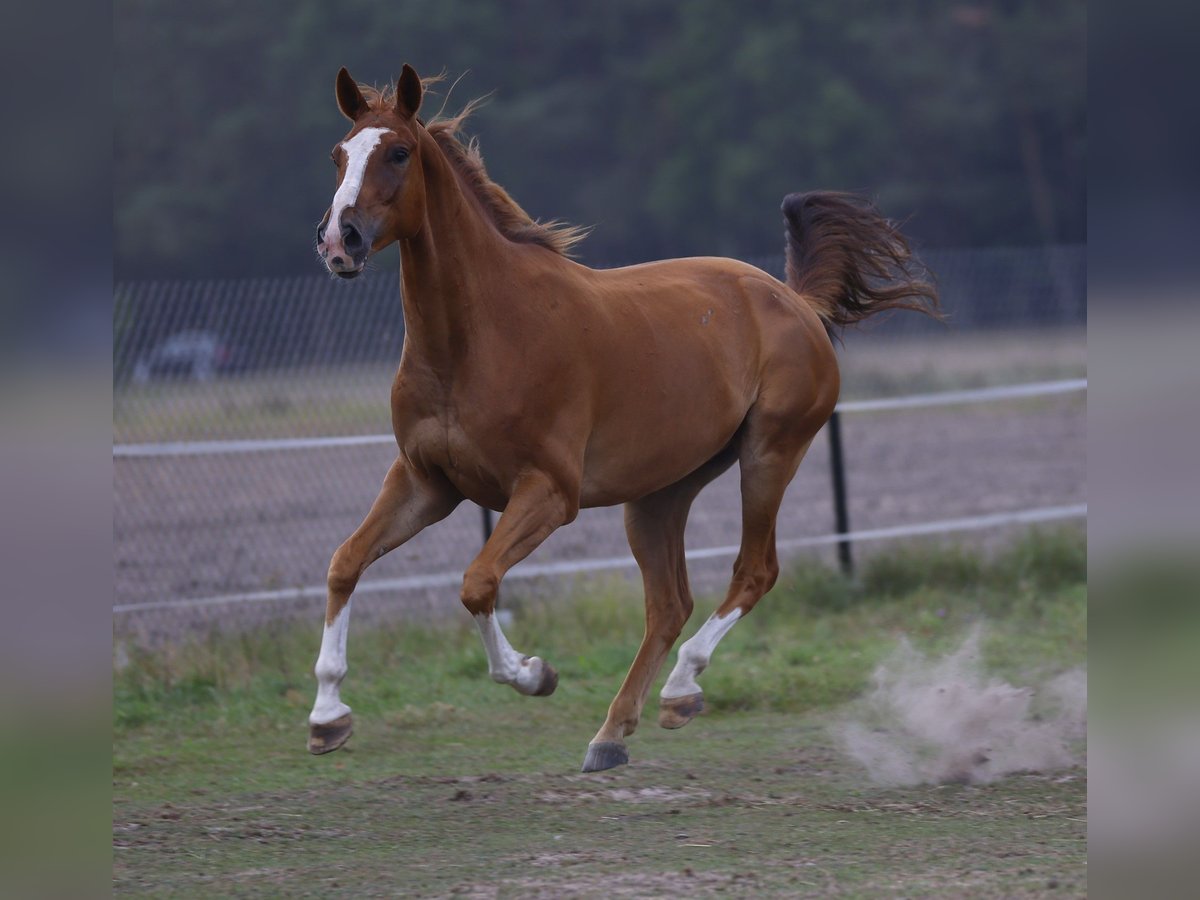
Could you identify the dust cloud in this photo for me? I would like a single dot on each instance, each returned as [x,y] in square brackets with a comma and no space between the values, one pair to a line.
[938,721]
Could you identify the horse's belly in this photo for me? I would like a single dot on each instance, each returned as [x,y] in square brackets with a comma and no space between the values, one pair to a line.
[637,456]
[663,415]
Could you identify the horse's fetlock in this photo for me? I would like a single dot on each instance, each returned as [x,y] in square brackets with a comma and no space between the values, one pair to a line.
[327,671]
[693,657]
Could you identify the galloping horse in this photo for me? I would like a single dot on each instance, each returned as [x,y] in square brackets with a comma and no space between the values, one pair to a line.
[534,385]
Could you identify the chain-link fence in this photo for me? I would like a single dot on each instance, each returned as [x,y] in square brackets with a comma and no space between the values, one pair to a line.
[244,533]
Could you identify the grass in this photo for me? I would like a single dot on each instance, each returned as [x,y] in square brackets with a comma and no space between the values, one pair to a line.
[356,399]
[454,784]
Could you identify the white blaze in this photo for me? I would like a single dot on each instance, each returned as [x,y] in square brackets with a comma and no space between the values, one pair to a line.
[330,670]
[358,150]
[695,653]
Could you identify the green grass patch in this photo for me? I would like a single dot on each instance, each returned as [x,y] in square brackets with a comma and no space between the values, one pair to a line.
[214,793]
[809,645]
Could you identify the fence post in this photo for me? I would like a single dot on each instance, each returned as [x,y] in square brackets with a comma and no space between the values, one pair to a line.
[841,515]
[487,523]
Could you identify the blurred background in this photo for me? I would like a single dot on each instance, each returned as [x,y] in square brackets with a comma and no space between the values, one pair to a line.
[672,130]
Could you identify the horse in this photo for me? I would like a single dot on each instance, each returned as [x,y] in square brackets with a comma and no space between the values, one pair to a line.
[536,386]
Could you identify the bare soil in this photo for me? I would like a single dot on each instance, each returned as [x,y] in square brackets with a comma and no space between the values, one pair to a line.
[760,806]
[204,527]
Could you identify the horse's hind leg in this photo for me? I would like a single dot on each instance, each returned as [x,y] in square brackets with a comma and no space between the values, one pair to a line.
[772,449]
[405,505]
[655,527]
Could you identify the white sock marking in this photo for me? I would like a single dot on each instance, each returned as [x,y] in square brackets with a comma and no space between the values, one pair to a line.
[695,653]
[330,670]
[358,151]
[505,664]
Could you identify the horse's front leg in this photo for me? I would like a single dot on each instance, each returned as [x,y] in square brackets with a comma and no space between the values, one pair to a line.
[538,505]
[407,503]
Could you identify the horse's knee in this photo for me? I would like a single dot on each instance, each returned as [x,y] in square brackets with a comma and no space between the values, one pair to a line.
[342,575]
[479,590]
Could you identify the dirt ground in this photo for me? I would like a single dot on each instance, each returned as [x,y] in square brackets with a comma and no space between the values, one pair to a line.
[753,805]
[203,527]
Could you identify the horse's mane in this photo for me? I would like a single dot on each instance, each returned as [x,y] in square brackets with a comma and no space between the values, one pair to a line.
[506,214]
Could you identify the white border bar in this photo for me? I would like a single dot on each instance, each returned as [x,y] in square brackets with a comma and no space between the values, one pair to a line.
[575,567]
[942,398]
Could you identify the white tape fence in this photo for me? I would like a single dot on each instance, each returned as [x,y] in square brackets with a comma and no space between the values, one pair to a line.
[912,401]
[580,566]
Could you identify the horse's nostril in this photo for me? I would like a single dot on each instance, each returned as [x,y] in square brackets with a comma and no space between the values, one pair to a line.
[320,234]
[351,239]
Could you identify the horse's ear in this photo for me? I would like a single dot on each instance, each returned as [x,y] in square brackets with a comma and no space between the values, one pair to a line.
[349,98]
[408,92]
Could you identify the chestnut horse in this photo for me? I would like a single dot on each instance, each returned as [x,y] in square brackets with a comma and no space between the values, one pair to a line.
[534,385]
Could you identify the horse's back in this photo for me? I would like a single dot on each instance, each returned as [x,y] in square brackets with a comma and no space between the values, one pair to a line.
[689,347]
[672,287]
[724,315]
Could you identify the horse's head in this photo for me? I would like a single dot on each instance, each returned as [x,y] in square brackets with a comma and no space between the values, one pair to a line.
[380,195]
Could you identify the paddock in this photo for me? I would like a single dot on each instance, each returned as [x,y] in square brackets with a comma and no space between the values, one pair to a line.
[455,787]
[755,797]
[249,533]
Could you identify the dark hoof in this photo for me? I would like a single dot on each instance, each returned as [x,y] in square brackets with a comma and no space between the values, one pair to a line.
[328,737]
[605,755]
[548,683]
[675,712]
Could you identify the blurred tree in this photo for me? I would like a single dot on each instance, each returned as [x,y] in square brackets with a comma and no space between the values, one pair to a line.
[673,128]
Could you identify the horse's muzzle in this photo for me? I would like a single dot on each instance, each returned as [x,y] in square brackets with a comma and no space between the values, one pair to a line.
[344,253]
[341,263]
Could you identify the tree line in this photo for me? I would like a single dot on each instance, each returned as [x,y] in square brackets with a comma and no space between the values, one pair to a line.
[672,128]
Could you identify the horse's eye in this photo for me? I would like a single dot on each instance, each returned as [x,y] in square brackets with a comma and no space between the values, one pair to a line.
[399,155]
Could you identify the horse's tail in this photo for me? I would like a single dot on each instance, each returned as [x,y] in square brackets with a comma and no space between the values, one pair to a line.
[850,262]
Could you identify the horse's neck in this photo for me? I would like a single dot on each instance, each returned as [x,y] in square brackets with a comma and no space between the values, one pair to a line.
[446,267]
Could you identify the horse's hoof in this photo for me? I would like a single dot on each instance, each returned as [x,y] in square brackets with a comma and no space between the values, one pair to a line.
[605,755]
[548,683]
[327,737]
[675,712]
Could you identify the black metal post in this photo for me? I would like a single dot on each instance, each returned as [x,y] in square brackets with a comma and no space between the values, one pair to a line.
[487,523]
[842,517]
